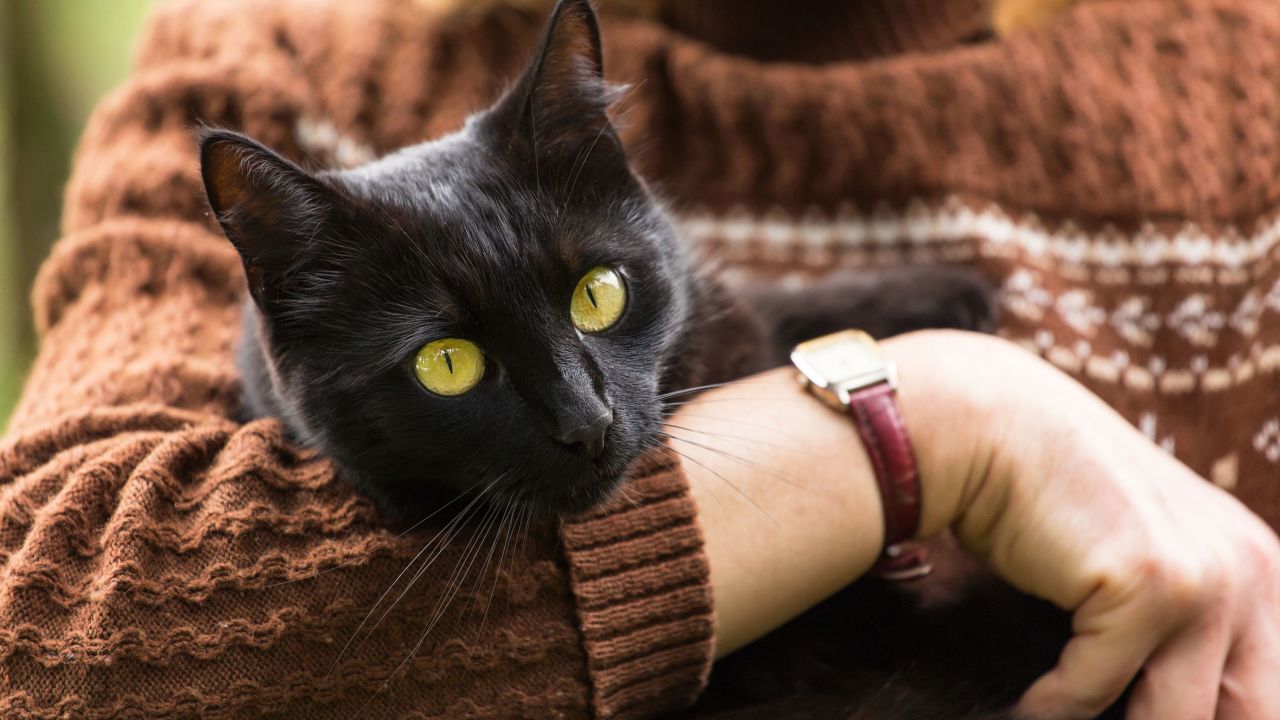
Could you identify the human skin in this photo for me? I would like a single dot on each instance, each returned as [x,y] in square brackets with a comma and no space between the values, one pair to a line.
[1037,477]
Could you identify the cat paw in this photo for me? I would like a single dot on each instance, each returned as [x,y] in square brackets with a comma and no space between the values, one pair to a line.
[964,299]
[883,302]
[922,297]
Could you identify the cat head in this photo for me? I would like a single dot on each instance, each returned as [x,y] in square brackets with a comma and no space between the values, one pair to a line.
[486,314]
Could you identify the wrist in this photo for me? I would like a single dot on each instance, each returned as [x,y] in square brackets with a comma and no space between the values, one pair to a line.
[952,401]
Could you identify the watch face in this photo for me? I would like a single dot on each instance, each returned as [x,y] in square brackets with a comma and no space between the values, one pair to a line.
[839,358]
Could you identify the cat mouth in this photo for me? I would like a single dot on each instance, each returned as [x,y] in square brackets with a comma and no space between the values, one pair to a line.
[594,483]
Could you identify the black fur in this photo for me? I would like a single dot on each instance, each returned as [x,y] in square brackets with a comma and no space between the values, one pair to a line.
[483,235]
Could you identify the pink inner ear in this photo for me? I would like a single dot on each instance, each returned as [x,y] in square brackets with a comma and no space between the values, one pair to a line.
[573,49]
[226,175]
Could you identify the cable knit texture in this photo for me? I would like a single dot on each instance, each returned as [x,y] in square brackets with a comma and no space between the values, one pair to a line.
[1117,172]
[162,561]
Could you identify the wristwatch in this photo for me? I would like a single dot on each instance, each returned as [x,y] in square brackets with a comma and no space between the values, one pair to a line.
[847,371]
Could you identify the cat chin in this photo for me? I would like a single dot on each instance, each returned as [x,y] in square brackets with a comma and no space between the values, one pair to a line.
[401,509]
[578,495]
[586,499]
[547,486]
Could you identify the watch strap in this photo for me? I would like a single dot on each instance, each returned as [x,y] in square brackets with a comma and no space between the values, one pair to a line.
[879,423]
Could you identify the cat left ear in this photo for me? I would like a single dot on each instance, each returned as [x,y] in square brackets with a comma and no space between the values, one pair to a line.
[275,214]
[562,100]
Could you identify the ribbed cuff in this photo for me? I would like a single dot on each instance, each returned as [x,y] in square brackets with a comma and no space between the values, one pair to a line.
[642,586]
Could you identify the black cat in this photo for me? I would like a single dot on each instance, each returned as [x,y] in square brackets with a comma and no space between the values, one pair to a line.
[496,313]
[487,236]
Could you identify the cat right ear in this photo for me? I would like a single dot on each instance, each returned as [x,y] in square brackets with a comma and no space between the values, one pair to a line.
[561,101]
[274,212]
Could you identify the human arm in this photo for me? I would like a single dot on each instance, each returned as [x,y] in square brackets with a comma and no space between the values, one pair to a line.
[1037,477]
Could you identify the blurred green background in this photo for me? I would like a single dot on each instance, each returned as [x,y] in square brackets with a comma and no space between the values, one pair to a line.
[57,58]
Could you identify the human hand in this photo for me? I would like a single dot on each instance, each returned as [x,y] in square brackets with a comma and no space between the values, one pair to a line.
[1164,572]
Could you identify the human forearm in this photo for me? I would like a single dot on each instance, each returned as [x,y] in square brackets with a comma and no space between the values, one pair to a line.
[787,498]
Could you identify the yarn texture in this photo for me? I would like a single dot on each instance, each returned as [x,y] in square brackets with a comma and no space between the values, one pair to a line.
[1116,172]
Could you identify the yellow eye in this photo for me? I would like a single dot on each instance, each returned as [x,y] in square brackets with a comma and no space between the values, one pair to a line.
[450,366]
[598,300]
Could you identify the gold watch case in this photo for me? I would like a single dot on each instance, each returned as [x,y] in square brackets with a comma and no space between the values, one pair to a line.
[834,366]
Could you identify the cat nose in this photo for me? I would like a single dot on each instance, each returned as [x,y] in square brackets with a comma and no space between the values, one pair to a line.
[589,435]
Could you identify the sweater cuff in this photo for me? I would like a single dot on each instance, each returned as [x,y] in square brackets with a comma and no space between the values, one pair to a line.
[643,592]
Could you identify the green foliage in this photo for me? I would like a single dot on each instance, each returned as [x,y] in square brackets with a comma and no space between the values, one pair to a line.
[57,58]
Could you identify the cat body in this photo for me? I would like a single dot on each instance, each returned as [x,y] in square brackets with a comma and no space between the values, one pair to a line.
[484,241]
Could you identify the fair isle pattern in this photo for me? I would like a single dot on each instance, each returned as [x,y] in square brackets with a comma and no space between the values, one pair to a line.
[954,232]
[947,230]
[1095,304]
[1194,320]
[1267,441]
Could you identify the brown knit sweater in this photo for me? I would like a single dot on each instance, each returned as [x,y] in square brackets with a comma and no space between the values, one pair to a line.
[1117,172]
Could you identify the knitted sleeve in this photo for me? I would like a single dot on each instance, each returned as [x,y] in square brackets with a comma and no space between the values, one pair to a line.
[162,561]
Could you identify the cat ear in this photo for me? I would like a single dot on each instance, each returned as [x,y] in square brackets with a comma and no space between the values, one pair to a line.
[273,211]
[562,100]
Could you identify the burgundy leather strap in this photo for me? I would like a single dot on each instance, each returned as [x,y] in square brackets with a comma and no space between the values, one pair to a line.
[879,422]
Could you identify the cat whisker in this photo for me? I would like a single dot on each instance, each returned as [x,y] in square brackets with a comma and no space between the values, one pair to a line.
[748,441]
[456,580]
[622,492]
[528,530]
[699,388]
[728,482]
[706,401]
[522,528]
[379,546]
[736,421]
[755,465]
[504,530]
[501,518]
[701,481]
[744,440]
[484,521]
[441,538]
[663,446]
[512,538]
[441,605]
